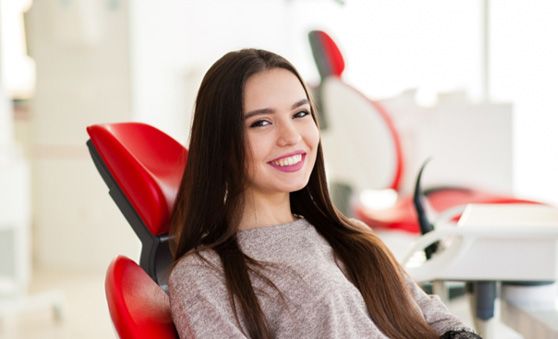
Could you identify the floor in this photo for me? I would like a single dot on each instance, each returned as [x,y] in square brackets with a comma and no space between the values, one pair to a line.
[85,314]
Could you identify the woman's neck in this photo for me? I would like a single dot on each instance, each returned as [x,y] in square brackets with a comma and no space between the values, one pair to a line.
[261,211]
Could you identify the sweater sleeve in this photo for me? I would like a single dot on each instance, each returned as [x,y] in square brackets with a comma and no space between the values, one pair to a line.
[199,301]
[437,314]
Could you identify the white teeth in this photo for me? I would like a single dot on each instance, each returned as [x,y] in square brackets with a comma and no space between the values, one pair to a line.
[288,161]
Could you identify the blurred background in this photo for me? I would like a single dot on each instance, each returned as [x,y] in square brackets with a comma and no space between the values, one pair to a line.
[66,64]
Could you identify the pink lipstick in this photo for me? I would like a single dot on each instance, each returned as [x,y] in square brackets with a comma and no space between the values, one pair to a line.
[289,163]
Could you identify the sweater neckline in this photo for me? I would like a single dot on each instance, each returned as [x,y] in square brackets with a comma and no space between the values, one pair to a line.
[295,224]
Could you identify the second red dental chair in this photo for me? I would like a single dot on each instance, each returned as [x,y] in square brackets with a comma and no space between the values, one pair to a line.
[364,149]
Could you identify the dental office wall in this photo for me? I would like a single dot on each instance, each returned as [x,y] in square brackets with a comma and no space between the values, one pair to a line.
[106,61]
[81,49]
[525,71]
[103,61]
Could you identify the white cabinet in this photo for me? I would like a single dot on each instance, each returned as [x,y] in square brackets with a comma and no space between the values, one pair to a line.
[14,222]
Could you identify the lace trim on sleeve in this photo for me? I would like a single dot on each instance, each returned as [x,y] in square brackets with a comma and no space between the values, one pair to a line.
[460,334]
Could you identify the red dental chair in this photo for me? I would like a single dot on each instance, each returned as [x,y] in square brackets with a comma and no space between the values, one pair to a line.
[372,158]
[142,167]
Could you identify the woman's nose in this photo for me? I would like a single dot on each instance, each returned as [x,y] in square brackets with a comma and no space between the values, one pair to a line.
[288,135]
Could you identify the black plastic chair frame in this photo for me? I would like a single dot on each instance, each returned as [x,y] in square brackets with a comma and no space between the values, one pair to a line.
[155,257]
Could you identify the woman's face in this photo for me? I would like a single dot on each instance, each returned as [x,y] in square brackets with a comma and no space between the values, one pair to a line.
[281,135]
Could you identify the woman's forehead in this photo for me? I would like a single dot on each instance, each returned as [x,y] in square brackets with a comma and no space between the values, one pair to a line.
[276,88]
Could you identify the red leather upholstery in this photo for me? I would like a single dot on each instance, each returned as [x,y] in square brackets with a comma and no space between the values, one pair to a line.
[139,308]
[148,176]
[332,54]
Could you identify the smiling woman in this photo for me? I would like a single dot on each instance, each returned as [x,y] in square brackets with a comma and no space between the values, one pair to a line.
[260,251]
[282,143]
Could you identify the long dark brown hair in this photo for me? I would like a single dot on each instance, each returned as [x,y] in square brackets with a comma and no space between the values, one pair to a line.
[210,200]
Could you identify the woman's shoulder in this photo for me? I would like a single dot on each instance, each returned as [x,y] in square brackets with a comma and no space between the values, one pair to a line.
[197,289]
[194,267]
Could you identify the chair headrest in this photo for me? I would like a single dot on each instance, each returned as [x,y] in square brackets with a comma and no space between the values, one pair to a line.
[361,132]
[147,165]
[327,56]
[139,308]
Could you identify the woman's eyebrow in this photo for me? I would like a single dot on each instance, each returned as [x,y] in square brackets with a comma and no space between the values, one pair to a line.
[262,111]
[300,103]
[258,112]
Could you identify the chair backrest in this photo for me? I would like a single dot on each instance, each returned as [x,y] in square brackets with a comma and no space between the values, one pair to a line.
[142,167]
[139,308]
[361,143]
[358,131]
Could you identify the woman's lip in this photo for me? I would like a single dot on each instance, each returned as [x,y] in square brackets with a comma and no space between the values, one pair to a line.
[288,155]
[290,168]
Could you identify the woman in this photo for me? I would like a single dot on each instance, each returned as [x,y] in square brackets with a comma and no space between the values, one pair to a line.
[260,251]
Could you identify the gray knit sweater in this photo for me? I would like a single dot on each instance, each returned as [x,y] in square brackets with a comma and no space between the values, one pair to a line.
[319,300]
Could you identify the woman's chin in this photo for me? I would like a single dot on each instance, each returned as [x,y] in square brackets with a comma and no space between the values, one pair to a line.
[297,187]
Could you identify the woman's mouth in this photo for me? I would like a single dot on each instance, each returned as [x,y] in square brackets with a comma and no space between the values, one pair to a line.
[291,163]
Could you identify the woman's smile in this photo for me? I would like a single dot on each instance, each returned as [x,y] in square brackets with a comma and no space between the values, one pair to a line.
[289,163]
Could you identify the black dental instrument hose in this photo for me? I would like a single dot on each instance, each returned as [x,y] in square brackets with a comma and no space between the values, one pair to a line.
[418,202]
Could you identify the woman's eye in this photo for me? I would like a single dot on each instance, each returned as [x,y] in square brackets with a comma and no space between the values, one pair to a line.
[301,114]
[260,123]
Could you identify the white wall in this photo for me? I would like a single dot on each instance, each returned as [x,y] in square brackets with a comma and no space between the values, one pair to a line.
[81,50]
[525,71]
[392,45]
[174,42]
